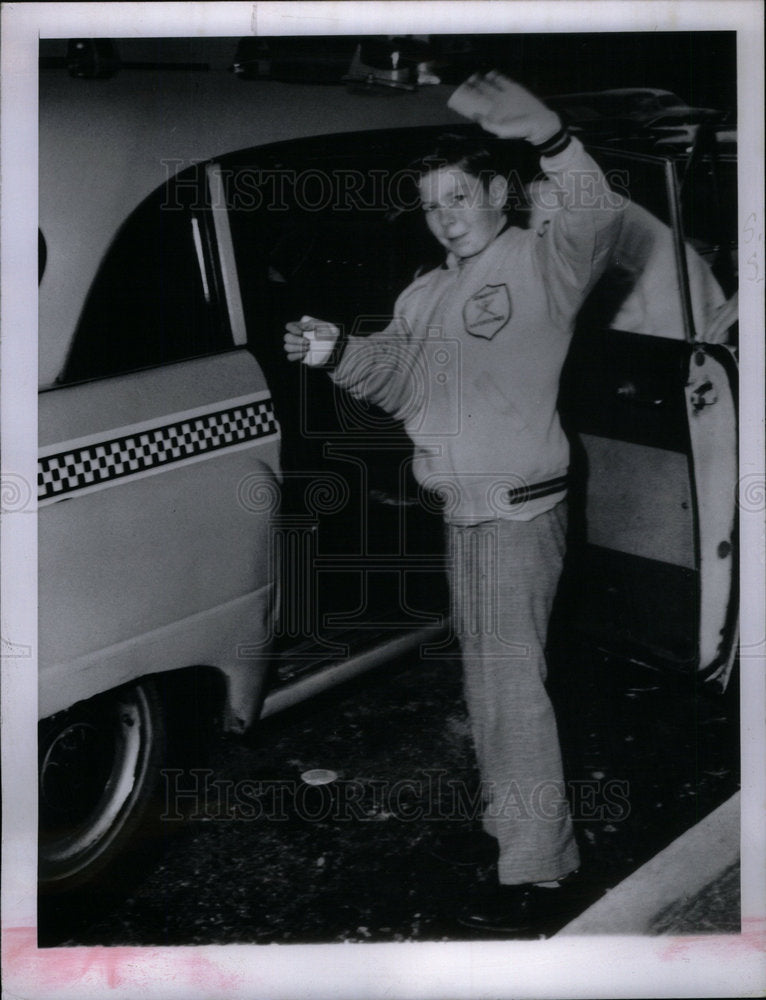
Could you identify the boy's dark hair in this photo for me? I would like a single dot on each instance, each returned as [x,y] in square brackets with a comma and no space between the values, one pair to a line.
[473,154]
[482,156]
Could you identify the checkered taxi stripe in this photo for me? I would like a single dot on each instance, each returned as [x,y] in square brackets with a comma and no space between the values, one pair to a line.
[145,451]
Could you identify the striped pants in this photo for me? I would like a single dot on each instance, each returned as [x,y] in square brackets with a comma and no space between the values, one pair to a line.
[503,579]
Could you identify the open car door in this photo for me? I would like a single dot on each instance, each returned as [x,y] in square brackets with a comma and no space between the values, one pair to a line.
[651,411]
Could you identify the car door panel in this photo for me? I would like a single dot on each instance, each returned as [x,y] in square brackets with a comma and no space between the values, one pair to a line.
[635,557]
[639,501]
[652,420]
[144,521]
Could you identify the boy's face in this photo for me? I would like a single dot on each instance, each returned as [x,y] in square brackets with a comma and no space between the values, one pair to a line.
[463,214]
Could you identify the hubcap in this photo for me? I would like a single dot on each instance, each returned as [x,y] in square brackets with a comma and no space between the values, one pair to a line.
[90,762]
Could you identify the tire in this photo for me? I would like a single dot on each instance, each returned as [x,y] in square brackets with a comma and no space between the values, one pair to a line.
[99,772]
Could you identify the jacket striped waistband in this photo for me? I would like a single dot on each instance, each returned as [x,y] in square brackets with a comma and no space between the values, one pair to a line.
[534,491]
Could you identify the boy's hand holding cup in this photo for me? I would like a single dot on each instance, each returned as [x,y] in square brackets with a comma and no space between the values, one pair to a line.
[310,340]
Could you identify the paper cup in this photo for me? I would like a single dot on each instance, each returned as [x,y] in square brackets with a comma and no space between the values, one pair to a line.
[319,776]
[321,344]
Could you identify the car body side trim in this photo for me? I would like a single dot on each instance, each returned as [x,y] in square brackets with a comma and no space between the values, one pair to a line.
[155,422]
[139,451]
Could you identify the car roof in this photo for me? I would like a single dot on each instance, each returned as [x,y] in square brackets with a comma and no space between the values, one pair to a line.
[625,91]
[614,92]
[106,144]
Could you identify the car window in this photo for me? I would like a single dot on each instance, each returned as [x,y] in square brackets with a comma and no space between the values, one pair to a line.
[643,290]
[155,299]
[708,187]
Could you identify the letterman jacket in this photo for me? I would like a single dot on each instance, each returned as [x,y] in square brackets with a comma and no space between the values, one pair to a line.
[472,357]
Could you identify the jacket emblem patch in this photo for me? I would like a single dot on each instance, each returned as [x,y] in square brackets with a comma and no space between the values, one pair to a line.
[487,312]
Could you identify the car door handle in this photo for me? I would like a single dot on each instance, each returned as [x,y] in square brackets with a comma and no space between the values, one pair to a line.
[628,393]
[704,395]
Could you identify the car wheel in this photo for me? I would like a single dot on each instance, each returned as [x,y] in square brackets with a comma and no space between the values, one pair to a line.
[99,768]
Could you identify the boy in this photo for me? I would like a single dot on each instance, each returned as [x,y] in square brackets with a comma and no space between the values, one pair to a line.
[508,297]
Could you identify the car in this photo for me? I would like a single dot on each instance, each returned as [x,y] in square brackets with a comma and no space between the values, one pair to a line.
[628,113]
[674,133]
[170,502]
[223,535]
[373,61]
[630,103]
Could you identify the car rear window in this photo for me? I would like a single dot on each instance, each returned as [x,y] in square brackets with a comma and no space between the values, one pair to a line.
[155,299]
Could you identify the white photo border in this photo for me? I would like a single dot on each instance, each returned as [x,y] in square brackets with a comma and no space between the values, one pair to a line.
[704,966]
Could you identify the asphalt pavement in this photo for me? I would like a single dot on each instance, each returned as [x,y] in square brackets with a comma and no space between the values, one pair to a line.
[265,857]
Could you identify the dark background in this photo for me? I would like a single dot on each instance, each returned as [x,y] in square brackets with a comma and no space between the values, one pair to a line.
[699,66]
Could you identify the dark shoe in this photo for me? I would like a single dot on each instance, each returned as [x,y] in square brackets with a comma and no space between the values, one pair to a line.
[516,909]
[465,848]
[506,909]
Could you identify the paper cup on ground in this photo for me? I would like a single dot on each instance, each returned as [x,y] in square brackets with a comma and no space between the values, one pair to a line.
[319,776]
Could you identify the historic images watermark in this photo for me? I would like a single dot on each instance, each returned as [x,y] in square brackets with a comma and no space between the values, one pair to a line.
[349,189]
[429,796]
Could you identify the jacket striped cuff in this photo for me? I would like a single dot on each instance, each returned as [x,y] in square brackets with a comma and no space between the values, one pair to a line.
[556,144]
[336,356]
